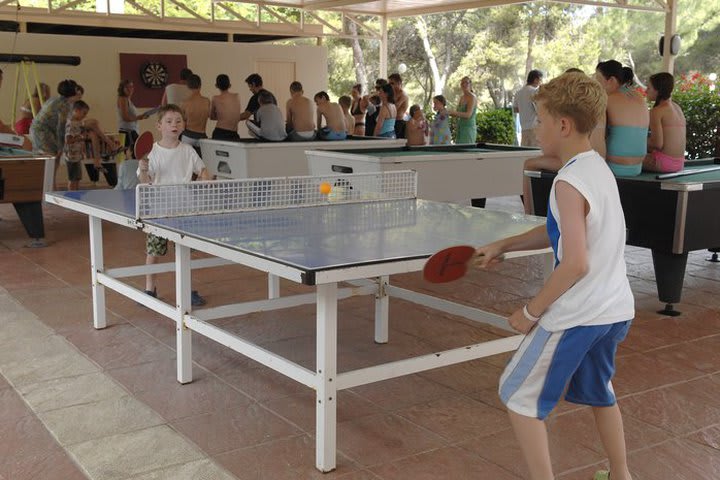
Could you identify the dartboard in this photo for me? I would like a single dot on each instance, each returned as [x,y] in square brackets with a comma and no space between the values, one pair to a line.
[154,75]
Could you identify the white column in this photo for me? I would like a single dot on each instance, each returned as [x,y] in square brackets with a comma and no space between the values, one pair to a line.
[382,307]
[97,264]
[183,335]
[326,374]
[384,47]
[670,30]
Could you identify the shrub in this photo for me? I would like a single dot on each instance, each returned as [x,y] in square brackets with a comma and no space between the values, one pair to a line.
[496,126]
[700,102]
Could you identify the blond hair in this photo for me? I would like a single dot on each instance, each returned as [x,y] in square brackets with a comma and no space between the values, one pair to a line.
[574,95]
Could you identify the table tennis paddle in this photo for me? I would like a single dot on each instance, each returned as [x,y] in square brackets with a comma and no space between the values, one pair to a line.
[448,264]
[143,145]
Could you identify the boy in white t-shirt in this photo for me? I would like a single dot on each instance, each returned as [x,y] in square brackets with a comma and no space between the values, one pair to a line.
[583,311]
[169,162]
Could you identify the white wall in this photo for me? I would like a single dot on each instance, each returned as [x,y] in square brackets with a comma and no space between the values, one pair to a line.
[99,71]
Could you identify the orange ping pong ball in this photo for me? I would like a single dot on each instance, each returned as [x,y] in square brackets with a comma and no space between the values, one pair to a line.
[325,188]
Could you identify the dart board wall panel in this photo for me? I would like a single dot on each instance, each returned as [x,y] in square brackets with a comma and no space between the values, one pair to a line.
[150,73]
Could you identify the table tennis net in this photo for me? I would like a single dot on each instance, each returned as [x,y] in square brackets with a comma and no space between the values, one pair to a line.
[248,194]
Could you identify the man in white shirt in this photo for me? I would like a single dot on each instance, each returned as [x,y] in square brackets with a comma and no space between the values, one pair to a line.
[177,93]
[524,106]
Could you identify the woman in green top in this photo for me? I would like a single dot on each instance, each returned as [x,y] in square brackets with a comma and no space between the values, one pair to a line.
[466,131]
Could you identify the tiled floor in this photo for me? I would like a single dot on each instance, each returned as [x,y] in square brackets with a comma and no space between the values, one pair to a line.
[77,403]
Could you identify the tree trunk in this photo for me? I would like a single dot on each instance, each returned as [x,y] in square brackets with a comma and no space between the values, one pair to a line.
[532,36]
[438,83]
[631,63]
[496,93]
[358,58]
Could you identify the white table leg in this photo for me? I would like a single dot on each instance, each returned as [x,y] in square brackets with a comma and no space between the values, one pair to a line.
[183,337]
[326,400]
[97,264]
[382,306]
[273,286]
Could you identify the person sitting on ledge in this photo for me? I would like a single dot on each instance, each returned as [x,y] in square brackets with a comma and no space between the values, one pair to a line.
[345,103]
[667,140]
[334,128]
[268,124]
[299,115]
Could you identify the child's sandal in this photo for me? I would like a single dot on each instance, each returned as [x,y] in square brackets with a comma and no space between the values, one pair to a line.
[602,475]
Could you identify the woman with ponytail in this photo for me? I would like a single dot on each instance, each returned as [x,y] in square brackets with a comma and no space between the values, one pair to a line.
[666,144]
[627,119]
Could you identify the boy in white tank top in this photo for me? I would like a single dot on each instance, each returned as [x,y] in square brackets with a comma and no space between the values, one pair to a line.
[583,311]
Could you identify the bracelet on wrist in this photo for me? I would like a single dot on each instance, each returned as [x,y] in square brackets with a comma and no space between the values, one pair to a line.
[529,316]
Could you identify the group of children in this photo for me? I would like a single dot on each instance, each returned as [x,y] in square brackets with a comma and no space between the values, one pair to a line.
[418,130]
[421,132]
[341,119]
[268,123]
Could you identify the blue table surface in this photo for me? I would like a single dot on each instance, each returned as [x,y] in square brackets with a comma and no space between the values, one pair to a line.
[332,236]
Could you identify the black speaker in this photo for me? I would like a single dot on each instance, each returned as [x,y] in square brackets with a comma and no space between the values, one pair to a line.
[674,45]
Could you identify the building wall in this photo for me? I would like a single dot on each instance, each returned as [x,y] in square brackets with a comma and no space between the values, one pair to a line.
[99,71]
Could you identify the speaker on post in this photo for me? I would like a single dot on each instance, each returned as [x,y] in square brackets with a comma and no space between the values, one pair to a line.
[674,45]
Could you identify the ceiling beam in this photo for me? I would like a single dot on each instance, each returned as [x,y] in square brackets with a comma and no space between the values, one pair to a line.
[265,3]
[450,7]
[350,9]
[237,15]
[142,9]
[68,6]
[329,4]
[328,25]
[363,25]
[627,6]
[143,22]
[281,18]
[187,9]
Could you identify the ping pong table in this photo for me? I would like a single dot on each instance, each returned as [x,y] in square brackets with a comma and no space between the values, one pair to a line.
[345,244]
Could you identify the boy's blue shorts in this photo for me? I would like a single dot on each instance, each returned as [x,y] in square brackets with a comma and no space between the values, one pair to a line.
[579,361]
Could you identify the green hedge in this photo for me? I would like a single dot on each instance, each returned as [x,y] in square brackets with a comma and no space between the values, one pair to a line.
[496,126]
[700,103]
